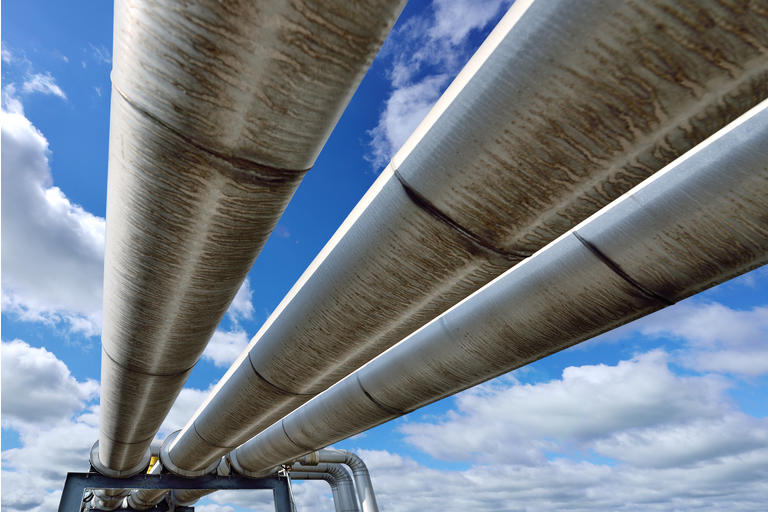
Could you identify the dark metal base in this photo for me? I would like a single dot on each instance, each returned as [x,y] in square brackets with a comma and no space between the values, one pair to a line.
[77,483]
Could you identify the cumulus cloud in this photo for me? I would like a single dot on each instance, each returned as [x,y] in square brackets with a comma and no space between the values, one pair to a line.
[425,53]
[50,411]
[38,388]
[7,55]
[726,483]
[525,422]
[183,408]
[308,495]
[242,307]
[718,338]
[225,346]
[53,250]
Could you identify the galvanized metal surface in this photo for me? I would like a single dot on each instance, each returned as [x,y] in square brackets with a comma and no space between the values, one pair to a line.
[565,107]
[360,473]
[344,499]
[217,111]
[702,221]
[321,476]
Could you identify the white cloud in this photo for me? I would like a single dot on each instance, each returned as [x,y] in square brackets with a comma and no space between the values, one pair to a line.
[53,250]
[101,54]
[11,101]
[40,398]
[455,19]
[43,83]
[7,55]
[183,408]
[719,338]
[426,52]
[715,337]
[225,346]
[522,423]
[404,110]
[37,388]
[214,508]
[242,307]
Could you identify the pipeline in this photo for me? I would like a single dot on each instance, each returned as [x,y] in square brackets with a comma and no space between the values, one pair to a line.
[699,222]
[565,107]
[218,110]
[341,484]
[359,472]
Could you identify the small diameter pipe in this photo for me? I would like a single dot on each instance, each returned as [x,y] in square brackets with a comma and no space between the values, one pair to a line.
[362,477]
[341,484]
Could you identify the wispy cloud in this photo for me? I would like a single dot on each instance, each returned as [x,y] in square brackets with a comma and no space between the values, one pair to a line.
[101,54]
[6,54]
[425,53]
[43,83]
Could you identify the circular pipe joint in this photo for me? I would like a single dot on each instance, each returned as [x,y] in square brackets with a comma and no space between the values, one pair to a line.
[113,473]
[310,459]
[165,460]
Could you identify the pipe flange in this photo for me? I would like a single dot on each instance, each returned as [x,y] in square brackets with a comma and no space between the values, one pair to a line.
[114,473]
[240,470]
[165,460]
[310,459]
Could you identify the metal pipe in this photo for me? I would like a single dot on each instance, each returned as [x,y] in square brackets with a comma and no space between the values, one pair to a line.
[218,110]
[341,484]
[564,107]
[360,473]
[321,476]
[699,222]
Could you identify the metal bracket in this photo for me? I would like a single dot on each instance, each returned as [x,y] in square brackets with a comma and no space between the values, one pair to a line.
[77,483]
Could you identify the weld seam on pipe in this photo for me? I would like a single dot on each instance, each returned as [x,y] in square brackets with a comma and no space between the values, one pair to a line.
[377,403]
[150,374]
[616,269]
[265,173]
[206,440]
[273,385]
[426,205]
[287,436]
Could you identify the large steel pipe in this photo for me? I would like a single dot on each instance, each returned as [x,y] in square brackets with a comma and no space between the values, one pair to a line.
[702,221]
[218,109]
[565,106]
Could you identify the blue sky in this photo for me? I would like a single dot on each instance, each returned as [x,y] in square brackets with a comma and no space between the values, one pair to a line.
[667,413]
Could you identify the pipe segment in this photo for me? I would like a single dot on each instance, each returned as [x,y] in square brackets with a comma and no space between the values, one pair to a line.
[343,490]
[699,222]
[218,110]
[360,473]
[565,107]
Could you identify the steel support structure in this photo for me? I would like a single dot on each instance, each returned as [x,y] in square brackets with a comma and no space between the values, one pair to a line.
[77,484]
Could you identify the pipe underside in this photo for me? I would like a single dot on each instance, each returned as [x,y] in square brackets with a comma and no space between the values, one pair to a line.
[702,221]
[218,110]
[566,106]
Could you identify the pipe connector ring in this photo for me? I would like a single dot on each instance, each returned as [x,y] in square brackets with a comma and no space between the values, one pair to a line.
[114,473]
[165,460]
